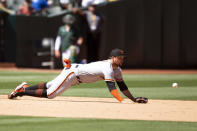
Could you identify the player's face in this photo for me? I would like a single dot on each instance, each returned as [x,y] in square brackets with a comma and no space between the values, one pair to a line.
[119,60]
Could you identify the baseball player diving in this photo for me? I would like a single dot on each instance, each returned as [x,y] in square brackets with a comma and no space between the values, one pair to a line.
[107,70]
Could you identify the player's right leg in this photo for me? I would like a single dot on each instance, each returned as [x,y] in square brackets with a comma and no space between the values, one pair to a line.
[47,90]
[61,83]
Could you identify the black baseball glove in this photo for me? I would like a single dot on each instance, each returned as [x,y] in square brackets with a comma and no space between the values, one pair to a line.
[143,100]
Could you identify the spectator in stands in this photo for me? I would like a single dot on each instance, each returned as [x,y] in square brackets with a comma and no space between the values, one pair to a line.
[3,3]
[14,4]
[86,3]
[40,6]
[64,4]
[26,8]
[6,8]
[95,23]
[68,40]
[69,4]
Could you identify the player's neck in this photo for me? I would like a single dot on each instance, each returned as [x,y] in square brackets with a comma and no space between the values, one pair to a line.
[114,65]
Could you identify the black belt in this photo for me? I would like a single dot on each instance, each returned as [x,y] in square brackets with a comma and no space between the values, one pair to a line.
[78,79]
[76,66]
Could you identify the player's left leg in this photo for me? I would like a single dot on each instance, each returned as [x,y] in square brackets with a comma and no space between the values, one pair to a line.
[39,90]
[65,56]
[19,88]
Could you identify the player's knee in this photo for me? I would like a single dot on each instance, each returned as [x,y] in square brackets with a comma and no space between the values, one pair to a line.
[51,96]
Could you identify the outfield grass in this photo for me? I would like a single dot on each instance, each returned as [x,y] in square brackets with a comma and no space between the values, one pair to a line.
[16,123]
[152,86]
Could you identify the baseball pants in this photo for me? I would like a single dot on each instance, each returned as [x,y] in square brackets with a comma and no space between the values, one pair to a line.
[61,83]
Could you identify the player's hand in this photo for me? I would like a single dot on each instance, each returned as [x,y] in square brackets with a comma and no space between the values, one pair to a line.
[57,53]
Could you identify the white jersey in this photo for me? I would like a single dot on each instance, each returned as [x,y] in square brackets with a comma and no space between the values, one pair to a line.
[95,71]
[82,73]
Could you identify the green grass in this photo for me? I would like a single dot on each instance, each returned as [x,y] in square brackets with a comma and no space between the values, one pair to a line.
[151,86]
[15,123]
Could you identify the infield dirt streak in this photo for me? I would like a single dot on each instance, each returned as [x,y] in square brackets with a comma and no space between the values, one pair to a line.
[107,108]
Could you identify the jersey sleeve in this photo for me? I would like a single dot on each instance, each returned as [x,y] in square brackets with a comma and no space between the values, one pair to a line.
[118,75]
[108,73]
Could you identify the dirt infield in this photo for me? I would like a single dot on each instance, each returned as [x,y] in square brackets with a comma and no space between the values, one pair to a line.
[107,108]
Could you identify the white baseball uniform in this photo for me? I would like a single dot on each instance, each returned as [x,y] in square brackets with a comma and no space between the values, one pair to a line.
[83,73]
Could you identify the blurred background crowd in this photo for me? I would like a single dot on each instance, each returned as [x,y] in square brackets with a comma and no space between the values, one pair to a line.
[44,7]
[154,33]
[69,38]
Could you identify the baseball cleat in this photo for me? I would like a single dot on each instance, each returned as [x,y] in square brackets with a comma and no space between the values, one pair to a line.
[19,88]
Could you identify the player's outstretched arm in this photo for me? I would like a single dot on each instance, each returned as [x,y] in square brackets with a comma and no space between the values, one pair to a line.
[124,89]
[112,88]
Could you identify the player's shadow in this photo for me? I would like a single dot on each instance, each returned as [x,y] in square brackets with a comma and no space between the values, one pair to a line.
[84,101]
[63,100]
[87,101]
